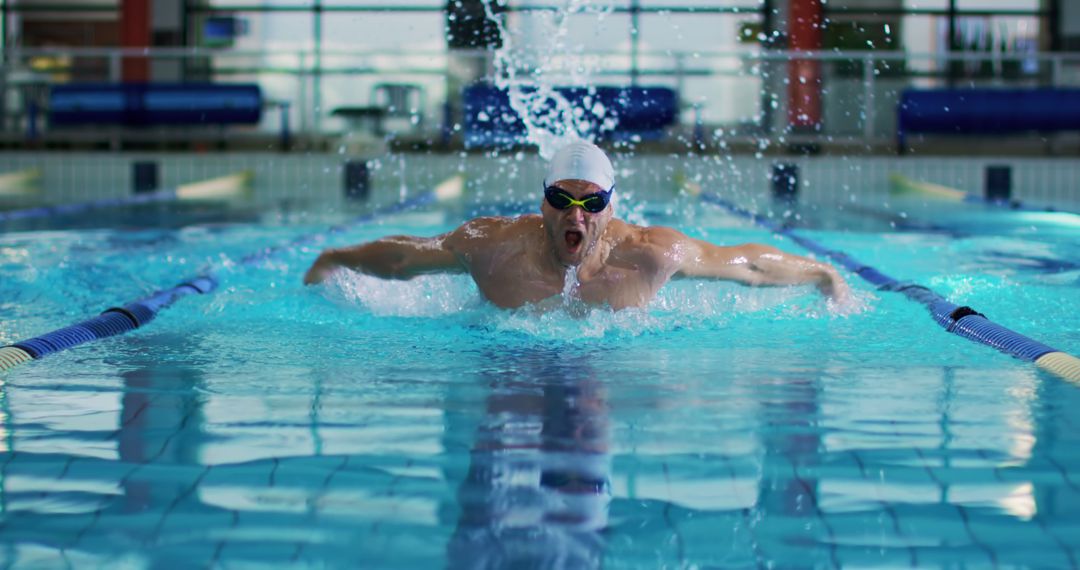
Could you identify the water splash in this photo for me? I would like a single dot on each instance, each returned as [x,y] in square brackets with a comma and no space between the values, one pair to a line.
[428,296]
[571,285]
[683,305]
[551,121]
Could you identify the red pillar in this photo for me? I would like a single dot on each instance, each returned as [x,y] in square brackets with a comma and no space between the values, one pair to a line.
[804,76]
[135,33]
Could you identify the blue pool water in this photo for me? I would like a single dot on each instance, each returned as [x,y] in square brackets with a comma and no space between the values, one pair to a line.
[402,425]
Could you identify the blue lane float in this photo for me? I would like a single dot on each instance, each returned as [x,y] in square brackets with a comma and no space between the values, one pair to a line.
[108,324]
[128,317]
[960,320]
[112,322]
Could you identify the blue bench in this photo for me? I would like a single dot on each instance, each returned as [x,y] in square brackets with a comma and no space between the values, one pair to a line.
[152,104]
[986,111]
[640,113]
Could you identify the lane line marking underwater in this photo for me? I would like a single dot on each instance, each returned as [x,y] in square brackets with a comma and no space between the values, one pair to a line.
[128,317]
[220,188]
[961,320]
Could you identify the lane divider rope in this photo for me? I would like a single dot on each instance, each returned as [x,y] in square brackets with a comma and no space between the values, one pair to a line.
[136,314]
[960,320]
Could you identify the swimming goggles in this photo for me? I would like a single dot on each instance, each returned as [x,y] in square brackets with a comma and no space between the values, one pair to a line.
[561,199]
[574,483]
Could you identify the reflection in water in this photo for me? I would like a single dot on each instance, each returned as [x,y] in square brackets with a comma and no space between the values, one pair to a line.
[6,436]
[950,471]
[1057,500]
[537,490]
[160,424]
[789,495]
[793,445]
[99,482]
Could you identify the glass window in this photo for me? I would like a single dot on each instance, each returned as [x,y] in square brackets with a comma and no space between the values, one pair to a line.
[926,4]
[261,3]
[542,40]
[918,36]
[747,4]
[695,32]
[588,31]
[994,34]
[1031,5]
[731,98]
[435,5]
[549,4]
[383,31]
[961,5]
[258,30]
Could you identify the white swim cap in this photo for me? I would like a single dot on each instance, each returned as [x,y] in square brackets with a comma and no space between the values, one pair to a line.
[581,160]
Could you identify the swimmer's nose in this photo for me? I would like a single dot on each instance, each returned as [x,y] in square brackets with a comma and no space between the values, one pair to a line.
[575,213]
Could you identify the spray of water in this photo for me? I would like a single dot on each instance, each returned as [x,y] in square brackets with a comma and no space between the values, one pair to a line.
[528,76]
[570,284]
[681,305]
[551,121]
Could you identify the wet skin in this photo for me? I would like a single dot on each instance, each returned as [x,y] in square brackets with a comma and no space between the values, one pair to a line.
[524,260]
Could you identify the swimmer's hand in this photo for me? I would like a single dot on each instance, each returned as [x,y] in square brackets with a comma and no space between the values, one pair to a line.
[832,285]
[323,268]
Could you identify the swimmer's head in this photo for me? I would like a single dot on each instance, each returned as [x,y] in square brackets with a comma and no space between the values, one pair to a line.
[577,192]
[581,160]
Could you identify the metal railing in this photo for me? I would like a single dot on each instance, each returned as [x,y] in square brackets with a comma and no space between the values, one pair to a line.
[734,93]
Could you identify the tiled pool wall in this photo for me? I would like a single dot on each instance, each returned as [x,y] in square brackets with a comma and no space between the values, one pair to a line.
[318,179]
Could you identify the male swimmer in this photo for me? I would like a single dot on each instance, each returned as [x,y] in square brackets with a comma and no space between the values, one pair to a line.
[524,260]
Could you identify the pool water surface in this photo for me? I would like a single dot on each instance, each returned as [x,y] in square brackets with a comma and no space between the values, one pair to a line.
[378,424]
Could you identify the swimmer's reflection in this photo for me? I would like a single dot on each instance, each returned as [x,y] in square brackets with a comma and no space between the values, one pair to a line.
[537,490]
[161,423]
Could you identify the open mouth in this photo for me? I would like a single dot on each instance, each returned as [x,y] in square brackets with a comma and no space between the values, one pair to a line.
[573,240]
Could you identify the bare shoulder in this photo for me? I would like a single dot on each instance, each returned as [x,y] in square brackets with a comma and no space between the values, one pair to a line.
[646,237]
[664,237]
[486,231]
[660,244]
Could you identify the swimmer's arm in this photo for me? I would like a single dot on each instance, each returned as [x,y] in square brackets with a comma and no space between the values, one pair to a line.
[394,257]
[756,265]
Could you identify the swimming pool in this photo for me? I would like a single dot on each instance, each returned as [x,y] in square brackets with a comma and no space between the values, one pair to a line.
[376,424]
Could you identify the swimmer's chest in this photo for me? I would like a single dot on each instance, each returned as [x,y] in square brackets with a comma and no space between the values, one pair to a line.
[510,281]
[619,287]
